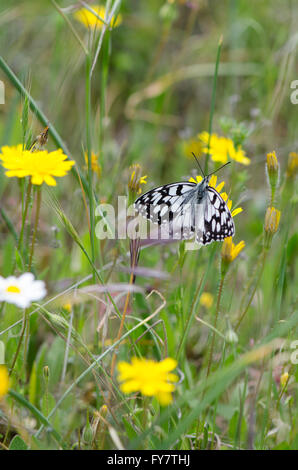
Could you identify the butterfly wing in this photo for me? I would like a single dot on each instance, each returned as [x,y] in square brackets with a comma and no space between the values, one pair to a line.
[218,221]
[170,206]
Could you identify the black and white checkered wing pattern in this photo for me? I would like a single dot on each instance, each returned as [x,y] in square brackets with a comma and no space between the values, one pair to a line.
[170,207]
[218,221]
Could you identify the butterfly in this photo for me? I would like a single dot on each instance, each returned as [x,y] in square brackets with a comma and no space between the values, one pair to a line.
[186,209]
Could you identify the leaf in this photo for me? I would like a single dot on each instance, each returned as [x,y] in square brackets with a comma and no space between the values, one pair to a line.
[33,385]
[55,358]
[17,443]
[2,352]
[236,434]
[19,260]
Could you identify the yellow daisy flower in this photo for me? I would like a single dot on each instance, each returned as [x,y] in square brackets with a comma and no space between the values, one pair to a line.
[41,165]
[91,20]
[230,251]
[222,149]
[4,381]
[149,377]
[212,182]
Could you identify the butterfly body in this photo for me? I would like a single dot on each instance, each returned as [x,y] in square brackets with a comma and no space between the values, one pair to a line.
[188,209]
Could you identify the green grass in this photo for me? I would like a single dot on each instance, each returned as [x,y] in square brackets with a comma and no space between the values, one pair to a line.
[151,87]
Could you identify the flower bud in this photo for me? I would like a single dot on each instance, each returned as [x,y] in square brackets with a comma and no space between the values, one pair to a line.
[231,336]
[272,172]
[292,164]
[284,378]
[46,372]
[229,252]
[272,218]
[271,224]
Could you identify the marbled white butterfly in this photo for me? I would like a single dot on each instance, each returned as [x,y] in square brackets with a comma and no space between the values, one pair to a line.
[188,209]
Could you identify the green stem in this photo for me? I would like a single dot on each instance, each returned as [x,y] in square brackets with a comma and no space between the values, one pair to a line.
[24,216]
[88,141]
[215,323]
[213,101]
[38,204]
[194,302]
[94,364]
[19,343]
[254,290]
[40,115]
[40,416]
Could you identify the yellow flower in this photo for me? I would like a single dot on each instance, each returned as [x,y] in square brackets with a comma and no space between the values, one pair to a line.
[222,149]
[91,20]
[191,146]
[272,218]
[292,164]
[272,162]
[284,378]
[40,165]
[212,183]
[206,300]
[272,172]
[230,251]
[95,166]
[67,307]
[149,377]
[4,381]
[136,180]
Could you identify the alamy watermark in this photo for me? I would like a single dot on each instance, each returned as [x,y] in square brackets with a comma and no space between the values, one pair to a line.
[2,92]
[294,94]
[294,354]
[185,225]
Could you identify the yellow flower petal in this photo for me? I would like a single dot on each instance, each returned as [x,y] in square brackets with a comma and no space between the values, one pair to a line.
[212,181]
[149,377]
[89,20]
[4,381]
[221,149]
[220,186]
[40,165]
[236,211]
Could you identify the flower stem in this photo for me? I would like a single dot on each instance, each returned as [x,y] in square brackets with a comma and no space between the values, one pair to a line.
[38,113]
[194,302]
[215,323]
[19,344]
[24,216]
[88,141]
[213,101]
[37,212]
[121,325]
[254,290]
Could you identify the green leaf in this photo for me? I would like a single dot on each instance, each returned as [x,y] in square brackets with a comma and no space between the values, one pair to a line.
[2,352]
[33,385]
[17,443]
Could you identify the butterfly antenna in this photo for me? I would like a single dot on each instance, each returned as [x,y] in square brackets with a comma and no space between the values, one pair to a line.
[198,164]
[218,169]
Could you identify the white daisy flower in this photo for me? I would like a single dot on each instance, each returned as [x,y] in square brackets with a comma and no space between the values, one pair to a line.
[22,290]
